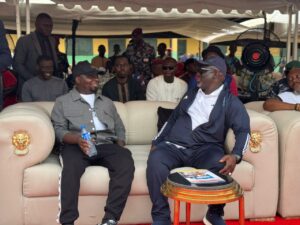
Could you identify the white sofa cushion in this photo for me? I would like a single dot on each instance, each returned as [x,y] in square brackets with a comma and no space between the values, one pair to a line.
[42,179]
[31,186]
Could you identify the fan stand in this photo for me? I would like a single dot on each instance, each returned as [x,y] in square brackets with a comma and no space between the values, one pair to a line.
[254,96]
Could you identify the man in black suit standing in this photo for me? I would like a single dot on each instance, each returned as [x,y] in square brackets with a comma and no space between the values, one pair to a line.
[33,45]
[122,87]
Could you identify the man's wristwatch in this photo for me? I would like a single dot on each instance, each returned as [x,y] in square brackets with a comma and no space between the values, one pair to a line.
[237,158]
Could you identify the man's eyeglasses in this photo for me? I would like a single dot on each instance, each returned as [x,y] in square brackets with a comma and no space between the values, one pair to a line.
[204,71]
[168,67]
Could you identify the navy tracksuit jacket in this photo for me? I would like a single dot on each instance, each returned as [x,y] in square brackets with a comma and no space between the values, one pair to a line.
[228,112]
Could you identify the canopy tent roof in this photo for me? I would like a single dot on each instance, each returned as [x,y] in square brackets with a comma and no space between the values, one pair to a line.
[255,29]
[197,5]
[199,19]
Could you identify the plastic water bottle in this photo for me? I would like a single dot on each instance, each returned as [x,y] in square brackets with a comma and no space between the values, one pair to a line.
[87,136]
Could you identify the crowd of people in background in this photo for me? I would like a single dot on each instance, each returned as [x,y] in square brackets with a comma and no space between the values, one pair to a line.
[146,73]
[206,91]
[145,76]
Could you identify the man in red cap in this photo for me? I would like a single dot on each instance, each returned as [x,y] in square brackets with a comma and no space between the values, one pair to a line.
[140,55]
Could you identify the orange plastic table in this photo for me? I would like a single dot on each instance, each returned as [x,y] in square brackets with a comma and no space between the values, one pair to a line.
[213,194]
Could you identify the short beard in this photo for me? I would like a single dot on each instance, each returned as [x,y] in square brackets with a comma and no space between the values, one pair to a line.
[94,90]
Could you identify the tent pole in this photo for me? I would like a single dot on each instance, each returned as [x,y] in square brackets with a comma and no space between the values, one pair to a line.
[288,43]
[18,19]
[27,17]
[199,50]
[74,28]
[295,46]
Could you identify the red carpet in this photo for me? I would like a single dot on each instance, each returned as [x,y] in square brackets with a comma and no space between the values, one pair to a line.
[278,221]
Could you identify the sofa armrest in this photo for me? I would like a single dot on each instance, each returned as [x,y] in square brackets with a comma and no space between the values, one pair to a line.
[27,138]
[262,154]
[257,106]
[288,125]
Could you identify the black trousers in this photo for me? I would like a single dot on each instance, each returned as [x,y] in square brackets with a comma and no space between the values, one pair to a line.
[120,165]
[167,157]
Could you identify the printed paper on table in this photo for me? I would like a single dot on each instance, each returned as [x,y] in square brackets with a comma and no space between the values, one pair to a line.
[200,176]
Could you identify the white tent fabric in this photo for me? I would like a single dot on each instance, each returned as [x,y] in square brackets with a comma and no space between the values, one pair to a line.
[279,20]
[95,21]
[199,19]
[197,5]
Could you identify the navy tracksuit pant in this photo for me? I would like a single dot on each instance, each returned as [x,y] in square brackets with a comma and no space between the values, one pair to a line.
[120,166]
[167,157]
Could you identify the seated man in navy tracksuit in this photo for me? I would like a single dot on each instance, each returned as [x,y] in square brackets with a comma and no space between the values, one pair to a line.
[194,136]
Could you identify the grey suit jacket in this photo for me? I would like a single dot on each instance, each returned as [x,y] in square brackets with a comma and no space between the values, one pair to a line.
[27,51]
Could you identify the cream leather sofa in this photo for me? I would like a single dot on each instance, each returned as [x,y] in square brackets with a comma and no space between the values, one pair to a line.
[29,172]
[288,125]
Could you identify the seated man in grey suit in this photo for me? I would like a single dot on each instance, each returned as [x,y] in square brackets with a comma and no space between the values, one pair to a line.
[44,87]
[33,45]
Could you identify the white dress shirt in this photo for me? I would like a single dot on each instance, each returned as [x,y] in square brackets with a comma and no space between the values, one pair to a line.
[91,100]
[202,106]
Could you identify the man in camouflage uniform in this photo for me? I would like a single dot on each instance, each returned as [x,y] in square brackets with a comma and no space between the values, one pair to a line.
[140,55]
[254,85]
